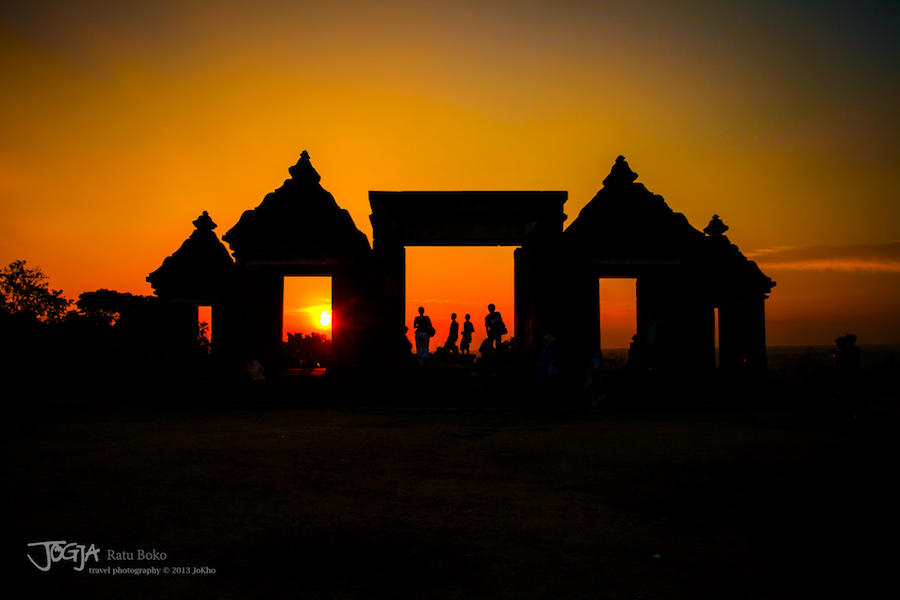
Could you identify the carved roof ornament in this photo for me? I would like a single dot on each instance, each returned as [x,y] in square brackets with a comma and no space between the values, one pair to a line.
[299,219]
[204,222]
[303,171]
[627,224]
[716,227]
[199,268]
[620,174]
[626,220]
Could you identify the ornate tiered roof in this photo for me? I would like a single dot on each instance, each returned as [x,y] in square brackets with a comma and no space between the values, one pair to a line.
[298,220]
[625,222]
[199,268]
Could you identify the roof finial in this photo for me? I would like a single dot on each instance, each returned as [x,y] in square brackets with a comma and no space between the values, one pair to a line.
[716,227]
[204,222]
[303,171]
[620,174]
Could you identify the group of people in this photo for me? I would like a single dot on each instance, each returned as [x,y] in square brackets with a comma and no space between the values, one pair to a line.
[495,329]
[424,331]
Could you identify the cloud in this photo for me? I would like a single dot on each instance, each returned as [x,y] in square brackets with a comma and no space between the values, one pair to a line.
[315,310]
[883,257]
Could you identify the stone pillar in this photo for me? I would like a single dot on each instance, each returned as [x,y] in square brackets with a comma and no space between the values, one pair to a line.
[580,311]
[227,331]
[524,305]
[684,322]
[691,341]
[263,289]
[546,290]
[390,298]
[742,335]
[351,329]
[178,330]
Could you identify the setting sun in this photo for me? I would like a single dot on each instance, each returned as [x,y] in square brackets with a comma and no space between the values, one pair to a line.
[307,306]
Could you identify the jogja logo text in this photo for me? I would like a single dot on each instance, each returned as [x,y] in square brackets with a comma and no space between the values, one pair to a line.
[60,550]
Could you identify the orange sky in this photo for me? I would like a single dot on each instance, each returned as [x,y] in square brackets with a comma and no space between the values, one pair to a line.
[121,122]
[305,299]
[462,281]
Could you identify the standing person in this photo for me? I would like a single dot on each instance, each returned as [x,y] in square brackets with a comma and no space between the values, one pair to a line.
[493,325]
[468,330]
[450,345]
[424,331]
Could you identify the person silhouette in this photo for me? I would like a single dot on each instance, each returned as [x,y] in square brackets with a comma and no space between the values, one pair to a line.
[450,344]
[468,330]
[424,332]
[493,325]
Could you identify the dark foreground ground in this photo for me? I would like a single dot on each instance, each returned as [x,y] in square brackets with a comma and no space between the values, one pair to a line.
[642,502]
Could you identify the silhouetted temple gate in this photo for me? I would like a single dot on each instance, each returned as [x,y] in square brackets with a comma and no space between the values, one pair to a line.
[299,230]
[199,273]
[401,219]
[683,275]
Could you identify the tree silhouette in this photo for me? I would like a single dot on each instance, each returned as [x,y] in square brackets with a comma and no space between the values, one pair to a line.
[108,307]
[203,339]
[25,291]
[313,350]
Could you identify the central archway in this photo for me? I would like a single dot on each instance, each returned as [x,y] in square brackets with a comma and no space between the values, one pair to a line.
[520,219]
[459,280]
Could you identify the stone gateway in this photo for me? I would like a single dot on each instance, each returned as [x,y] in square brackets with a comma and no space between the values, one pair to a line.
[684,276]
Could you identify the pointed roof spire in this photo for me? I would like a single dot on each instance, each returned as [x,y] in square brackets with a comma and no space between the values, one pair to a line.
[303,171]
[620,174]
[204,222]
[299,218]
[200,268]
[716,227]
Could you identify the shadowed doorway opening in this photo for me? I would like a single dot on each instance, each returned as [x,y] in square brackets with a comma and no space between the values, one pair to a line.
[618,317]
[307,327]
[716,333]
[462,280]
[205,327]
